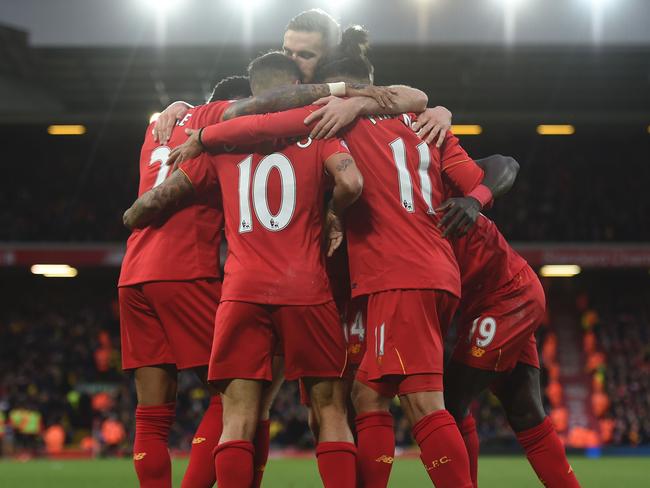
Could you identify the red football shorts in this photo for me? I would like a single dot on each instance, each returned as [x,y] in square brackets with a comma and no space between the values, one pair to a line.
[245,337]
[405,337]
[391,386]
[498,331]
[168,322]
[353,316]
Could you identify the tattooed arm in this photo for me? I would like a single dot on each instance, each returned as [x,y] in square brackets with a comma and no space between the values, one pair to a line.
[337,113]
[348,181]
[293,96]
[164,198]
[348,184]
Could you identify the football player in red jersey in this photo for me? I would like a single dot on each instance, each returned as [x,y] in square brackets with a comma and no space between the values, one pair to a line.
[169,288]
[501,307]
[275,282]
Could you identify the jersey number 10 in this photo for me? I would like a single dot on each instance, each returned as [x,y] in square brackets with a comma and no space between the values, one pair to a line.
[260,180]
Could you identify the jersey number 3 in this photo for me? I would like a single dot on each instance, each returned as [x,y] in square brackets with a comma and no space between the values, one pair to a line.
[260,180]
[160,155]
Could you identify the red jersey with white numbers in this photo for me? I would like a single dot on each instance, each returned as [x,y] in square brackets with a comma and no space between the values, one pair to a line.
[486,261]
[274,212]
[393,241]
[185,246]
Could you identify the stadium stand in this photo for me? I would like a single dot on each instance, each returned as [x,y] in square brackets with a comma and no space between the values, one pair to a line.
[69,373]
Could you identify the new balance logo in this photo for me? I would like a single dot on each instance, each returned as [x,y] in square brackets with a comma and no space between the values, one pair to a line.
[139,456]
[198,440]
[384,459]
[436,463]
[477,352]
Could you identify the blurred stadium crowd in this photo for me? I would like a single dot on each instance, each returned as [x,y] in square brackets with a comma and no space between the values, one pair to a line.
[67,390]
[566,190]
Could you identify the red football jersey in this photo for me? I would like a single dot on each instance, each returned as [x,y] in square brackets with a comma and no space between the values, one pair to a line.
[486,261]
[393,241]
[186,245]
[273,206]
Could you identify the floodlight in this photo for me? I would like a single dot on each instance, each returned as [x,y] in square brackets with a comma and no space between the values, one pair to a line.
[66,130]
[54,270]
[559,270]
[466,130]
[556,130]
[161,5]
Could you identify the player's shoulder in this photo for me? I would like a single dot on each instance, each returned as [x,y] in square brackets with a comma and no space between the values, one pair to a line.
[209,113]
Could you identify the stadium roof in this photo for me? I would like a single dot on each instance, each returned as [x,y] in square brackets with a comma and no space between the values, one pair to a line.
[492,83]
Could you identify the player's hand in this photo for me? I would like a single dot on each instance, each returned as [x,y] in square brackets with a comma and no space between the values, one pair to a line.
[162,129]
[188,150]
[334,232]
[383,95]
[335,114]
[460,215]
[127,219]
[431,123]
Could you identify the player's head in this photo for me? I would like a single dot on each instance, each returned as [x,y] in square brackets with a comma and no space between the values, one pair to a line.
[309,36]
[272,70]
[231,88]
[349,62]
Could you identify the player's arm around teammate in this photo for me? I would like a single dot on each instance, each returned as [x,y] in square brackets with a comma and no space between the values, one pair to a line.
[460,213]
[162,199]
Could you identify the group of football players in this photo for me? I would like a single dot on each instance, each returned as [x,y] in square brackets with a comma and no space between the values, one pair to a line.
[354,234]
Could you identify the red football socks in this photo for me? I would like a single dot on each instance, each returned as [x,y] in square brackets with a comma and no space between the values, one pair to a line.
[233,462]
[470,437]
[443,451]
[546,455]
[150,453]
[337,464]
[200,470]
[375,448]
[261,442]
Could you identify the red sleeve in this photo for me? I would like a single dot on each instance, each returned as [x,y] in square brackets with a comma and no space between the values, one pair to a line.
[211,113]
[332,146]
[458,167]
[253,129]
[201,172]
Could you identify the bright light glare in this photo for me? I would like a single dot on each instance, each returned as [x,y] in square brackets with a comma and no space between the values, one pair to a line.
[466,130]
[559,270]
[512,3]
[251,4]
[162,5]
[54,270]
[154,116]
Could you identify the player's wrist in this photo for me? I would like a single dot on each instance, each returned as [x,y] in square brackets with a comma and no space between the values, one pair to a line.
[482,194]
[200,141]
[337,89]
